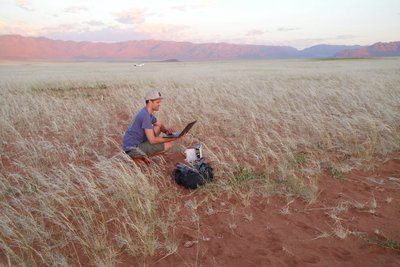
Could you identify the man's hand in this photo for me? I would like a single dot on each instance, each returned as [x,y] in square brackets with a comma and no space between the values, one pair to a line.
[169,131]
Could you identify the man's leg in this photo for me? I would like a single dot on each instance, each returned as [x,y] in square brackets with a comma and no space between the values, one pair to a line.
[155,149]
[149,150]
[167,146]
[138,156]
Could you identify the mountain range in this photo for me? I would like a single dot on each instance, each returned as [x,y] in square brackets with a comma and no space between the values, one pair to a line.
[16,47]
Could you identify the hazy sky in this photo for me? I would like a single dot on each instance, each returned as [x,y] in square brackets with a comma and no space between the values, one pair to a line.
[297,23]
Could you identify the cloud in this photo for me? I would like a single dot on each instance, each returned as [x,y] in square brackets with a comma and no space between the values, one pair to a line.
[18,28]
[184,8]
[90,31]
[283,29]
[95,23]
[181,8]
[94,31]
[99,31]
[132,16]
[345,37]
[111,34]
[76,9]
[166,31]
[23,4]
[64,28]
[254,33]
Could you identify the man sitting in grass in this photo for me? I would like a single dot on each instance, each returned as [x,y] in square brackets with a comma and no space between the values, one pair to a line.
[142,137]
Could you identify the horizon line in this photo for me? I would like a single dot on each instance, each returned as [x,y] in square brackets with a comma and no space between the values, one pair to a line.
[157,40]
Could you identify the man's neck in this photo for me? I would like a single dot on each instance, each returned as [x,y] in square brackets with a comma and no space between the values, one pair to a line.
[149,109]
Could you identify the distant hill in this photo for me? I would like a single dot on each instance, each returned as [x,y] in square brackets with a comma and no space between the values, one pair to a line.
[31,48]
[170,60]
[324,51]
[16,47]
[391,49]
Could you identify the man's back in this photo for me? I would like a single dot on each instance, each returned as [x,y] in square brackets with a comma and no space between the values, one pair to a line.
[134,134]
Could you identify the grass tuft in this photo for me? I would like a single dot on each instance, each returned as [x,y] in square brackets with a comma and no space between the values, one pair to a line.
[379,241]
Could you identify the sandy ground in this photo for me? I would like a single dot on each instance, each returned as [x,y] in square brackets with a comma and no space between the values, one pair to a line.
[340,228]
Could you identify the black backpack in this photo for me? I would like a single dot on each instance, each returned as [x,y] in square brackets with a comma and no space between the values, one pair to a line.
[193,177]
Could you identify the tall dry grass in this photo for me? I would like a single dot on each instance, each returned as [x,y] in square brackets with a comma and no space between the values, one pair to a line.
[69,197]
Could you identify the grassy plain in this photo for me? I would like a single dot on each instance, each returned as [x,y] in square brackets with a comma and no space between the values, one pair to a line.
[70,197]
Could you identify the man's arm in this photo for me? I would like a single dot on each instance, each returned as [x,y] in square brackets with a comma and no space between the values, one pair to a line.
[156,139]
[163,129]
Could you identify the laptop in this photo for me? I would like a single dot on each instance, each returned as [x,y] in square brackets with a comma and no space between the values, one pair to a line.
[180,134]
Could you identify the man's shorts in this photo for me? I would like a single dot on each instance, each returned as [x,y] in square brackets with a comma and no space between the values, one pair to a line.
[146,149]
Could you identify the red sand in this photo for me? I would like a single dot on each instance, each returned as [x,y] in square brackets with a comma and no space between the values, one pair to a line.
[275,231]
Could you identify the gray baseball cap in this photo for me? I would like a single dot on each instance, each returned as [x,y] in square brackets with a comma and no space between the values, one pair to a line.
[153,94]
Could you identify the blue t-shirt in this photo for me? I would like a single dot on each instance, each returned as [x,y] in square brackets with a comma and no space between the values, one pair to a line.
[135,135]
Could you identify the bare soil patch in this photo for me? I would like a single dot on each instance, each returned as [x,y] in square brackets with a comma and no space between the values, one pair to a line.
[353,222]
